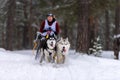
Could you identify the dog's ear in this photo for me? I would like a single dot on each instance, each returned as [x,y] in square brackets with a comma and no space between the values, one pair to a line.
[67,39]
[61,38]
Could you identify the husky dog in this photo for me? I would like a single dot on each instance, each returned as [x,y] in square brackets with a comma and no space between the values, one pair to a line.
[48,50]
[63,46]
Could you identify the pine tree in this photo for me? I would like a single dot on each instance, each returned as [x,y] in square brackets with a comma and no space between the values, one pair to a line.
[97,47]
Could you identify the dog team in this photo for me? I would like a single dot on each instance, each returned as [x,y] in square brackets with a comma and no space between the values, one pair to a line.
[53,50]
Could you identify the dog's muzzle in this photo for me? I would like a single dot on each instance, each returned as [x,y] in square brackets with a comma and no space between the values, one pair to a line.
[51,44]
[63,50]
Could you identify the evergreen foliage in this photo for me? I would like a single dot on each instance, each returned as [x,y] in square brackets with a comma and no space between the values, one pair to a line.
[96,49]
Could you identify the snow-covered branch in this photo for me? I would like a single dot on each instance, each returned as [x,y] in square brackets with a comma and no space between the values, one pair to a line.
[2,3]
[58,7]
[35,25]
[117,36]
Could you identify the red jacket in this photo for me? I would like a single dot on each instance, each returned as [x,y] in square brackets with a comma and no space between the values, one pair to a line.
[49,23]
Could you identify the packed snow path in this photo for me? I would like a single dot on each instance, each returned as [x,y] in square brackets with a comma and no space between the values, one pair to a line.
[20,65]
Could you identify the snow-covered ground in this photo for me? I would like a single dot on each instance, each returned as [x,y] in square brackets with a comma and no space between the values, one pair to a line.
[20,65]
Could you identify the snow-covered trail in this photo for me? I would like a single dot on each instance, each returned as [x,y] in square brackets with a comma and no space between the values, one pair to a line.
[20,65]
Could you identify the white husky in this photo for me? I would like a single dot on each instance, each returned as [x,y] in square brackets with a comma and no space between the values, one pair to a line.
[63,46]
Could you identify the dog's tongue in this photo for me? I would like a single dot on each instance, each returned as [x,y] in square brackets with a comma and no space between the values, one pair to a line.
[51,44]
[64,50]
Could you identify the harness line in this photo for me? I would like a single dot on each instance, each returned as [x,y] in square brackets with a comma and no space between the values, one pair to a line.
[35,45]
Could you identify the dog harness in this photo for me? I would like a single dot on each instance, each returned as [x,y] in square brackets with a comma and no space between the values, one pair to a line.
[47,26]
[49,52]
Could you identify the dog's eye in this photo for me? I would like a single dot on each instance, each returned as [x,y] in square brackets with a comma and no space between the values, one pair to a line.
[61,43]
[66,43]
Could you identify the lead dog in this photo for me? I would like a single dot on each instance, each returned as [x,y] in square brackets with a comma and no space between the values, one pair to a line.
[48,50]
[63,46]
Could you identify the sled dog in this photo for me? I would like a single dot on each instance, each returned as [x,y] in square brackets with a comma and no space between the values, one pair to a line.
[48,50]
[63,46]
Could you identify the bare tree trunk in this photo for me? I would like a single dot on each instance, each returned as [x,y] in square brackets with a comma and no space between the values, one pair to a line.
[65,30]
[30,30]
[107,31]
[116,48]
[10,24]
[3,40]
[19,37]
[25,30]
[82,33]
[93,31]
[117,30]
[96,28]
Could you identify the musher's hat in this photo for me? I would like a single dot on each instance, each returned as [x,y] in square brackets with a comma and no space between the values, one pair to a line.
[50,14]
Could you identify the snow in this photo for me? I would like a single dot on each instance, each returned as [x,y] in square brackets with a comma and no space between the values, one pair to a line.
[117,36]
[20,65]
[18,3]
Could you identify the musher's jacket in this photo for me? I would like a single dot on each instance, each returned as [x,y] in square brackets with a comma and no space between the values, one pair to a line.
[46,26]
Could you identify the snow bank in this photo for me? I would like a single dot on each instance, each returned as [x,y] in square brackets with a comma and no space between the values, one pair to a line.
[2,50]
[20,65]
